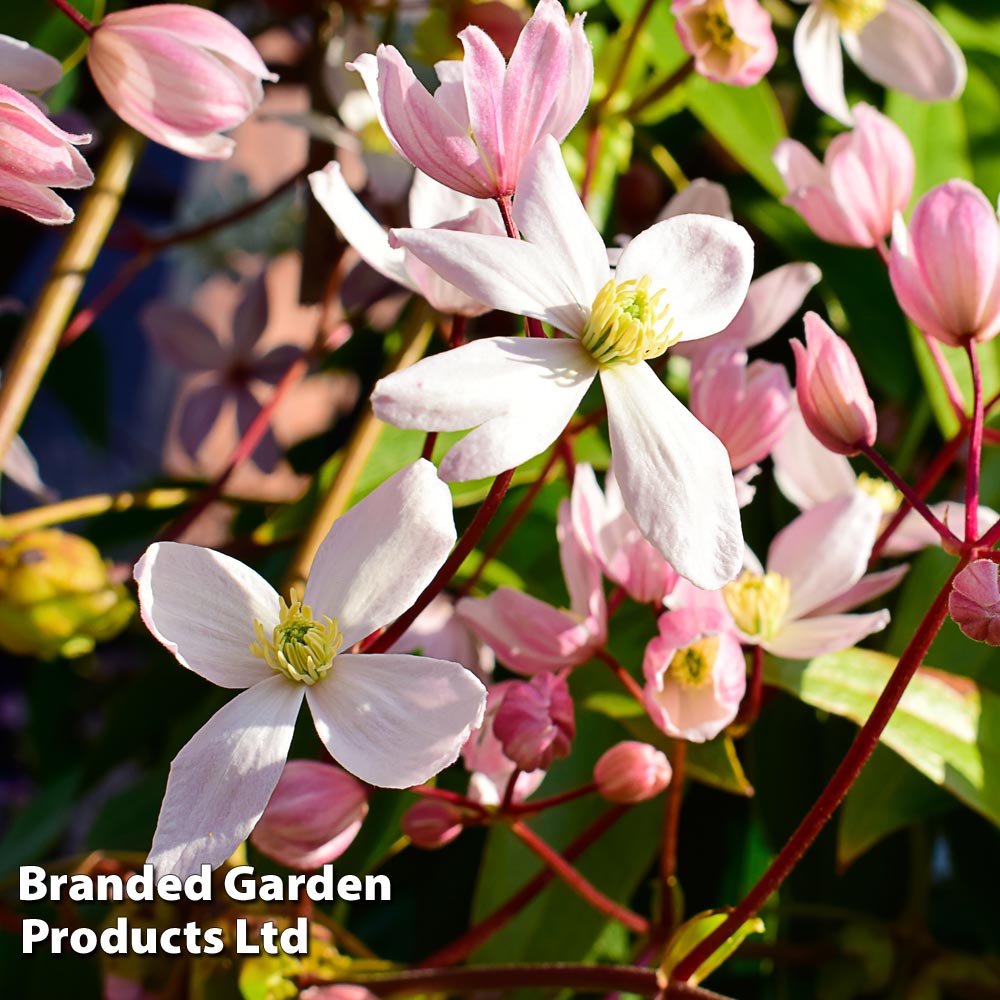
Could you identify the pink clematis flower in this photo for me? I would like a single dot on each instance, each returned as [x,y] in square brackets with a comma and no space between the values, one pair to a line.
[731,40]
[530,636]
[974,602]
[895,42]
[945,268]
[680,280]
[178,74]
[431,205]
[695,673]
[392,720]
[36,156]
[474,134]
[865,177]
[815,570]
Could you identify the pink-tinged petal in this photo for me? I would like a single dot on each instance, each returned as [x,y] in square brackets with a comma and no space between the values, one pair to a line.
[674,477]
[450,95]
[202,606]
[394,720]
[506,274]
[825,551]
[974,603]
[483,72]
[809,637]
[380,554]
[703,263]
[251,316]
[431,203]
[37,118]
[199,411]
[25,67]
[20,466]
[220,782]
[581,573]
[915,533]
[182,337]
[906,49]
[577,85]
[549,213]
[268,452]
[911,286]
[527,634]
[38,203]
[866,589]
[700,197]
[820,62]
[806,472]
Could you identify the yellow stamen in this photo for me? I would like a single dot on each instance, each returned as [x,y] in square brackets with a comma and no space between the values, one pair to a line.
[853,15]
[757,603]
[692,666]
[715,24]
[888,497]
[628,323]
[300,648]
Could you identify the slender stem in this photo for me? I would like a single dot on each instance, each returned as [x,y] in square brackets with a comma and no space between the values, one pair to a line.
[622,674]
[87,316]
[838,786]
[750,707]
[630,43]
[429,792]
[671,826]
[464,946]
[584,889]
[429,442]
[526,808]
[912,498]
[975,448]
[508,795]
[590,164]
[472,534]
[661,89]
[456,337]
[39,338]
[947,378]
[75,16]
[991,402]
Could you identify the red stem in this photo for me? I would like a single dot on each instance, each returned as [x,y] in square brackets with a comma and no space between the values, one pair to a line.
[584,889]
[622,674]
[838,786]
[671,826]
[75,16]
[948,378]
[428,792]
[527,808]
[975,448]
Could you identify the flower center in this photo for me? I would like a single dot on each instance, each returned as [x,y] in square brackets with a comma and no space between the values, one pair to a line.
[628,323]
[758,603]
[888,497]
[299,647]
[692,666]
[853,15]
[715,24]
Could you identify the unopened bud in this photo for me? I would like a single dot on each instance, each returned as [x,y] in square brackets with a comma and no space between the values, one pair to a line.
[431,824]
[535,722]
[632,772]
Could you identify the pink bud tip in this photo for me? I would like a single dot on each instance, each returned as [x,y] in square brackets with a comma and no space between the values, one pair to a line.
[974,603]
[632,772]
[831,390]
[431,824]
[535,722]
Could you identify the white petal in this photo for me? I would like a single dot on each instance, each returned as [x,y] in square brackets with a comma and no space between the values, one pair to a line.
[518,392]
[202,605]
[394,720]
[357,226]
[432,203]
[550,215]
[704,264]
[379,555]
[20,466]
[809,637]
[818,56]
[806,472]
[674,477]
[866,589]
[220,782]
[700,197]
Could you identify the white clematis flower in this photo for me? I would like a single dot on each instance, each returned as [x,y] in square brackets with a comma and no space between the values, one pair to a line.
[682,279]
[392,720]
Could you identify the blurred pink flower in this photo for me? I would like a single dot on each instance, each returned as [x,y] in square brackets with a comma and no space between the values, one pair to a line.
[974,602]
[35,156]
[474,134]
[945,267]
[178,74]
[731,40]
[865,177]
[535,722]
[895,42]
[431,824]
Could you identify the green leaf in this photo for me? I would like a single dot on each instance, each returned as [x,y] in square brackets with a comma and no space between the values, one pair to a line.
[692,932]
[945,726]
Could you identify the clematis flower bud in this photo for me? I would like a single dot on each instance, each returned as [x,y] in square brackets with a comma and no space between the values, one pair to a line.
[632,772]
[831,390]
[945,268]
[731,40]
[866,176]
[178,74]
[535,722]
[974,603]
[430,824]
[35,156]
[55,596]
[313,815]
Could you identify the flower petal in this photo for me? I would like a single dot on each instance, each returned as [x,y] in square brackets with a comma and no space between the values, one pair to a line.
[220,782]
[182,337]
[199,411]
[809,637]
[772,300]
[483,72]
[806,472]
[202,606]
[380,554]
[250,316]
[396,720]
[25,67]
[674,477]
[818,56]
[866,589]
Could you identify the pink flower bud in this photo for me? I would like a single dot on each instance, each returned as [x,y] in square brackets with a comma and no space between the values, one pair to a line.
[945,268]
[632,772]
[731,40]
[865,177]
[178,74]
[339,991]
[431,824]
[314,813]
[831,390]
[36,155]
[974,603]
[535,721]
